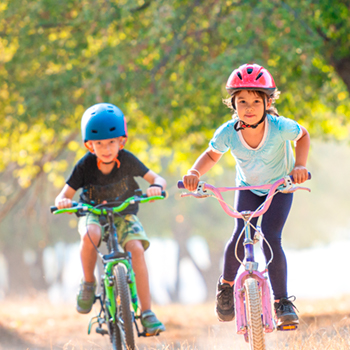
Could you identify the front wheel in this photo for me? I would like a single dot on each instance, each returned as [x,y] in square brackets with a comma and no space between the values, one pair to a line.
[253,312]
[124,317]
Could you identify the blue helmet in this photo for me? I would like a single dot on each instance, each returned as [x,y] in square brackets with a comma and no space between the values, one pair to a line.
[103,121]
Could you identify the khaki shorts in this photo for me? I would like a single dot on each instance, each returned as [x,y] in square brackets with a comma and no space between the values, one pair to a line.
[128,226]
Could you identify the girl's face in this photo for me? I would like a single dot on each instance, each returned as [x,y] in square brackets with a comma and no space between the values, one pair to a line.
[107,150]
[250,106]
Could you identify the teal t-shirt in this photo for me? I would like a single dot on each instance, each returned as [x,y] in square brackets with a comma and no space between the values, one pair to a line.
[265,164]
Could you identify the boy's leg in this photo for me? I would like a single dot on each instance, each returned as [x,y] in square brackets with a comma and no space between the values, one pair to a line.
[136,249]
[133,238]
[90,236]
[149,320]
[88,254]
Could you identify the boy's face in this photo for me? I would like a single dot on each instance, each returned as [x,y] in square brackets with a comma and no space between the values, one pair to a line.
[107,150]
[250,106]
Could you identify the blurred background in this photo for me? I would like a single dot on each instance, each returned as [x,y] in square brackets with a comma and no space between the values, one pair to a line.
[165,65]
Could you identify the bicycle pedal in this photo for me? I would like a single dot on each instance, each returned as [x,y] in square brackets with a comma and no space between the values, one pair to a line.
[100,330]
[151,334]
[287,327]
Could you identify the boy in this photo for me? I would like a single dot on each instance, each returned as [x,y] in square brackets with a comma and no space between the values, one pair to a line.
[107,173]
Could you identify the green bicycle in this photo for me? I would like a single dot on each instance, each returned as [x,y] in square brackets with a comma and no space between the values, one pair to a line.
[119,306]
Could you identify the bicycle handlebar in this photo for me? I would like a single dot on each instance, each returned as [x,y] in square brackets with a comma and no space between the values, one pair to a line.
[181,185]
[202,187]
[100,210]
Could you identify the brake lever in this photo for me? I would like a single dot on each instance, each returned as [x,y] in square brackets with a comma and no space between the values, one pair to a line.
[199,193]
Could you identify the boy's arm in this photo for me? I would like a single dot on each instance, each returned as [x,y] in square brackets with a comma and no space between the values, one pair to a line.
[300,173]
[158,184]
[203,164]
[64,199]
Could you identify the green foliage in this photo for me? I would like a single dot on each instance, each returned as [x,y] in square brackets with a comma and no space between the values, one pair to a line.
[165,64]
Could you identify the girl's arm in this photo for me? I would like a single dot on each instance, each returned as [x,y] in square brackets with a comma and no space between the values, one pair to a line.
[203,164]
[156,180]
[300,173]
[64,199]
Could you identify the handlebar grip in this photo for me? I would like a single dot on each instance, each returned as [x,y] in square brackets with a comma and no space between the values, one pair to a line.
[164,194]
[309,176]
[53,208]
[180,184]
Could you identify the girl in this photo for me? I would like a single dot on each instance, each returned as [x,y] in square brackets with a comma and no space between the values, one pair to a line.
[259,140]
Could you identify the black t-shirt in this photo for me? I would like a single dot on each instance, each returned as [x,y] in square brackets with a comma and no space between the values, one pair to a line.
[118,185]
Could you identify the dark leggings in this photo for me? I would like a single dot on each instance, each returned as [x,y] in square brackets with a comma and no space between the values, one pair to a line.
[272,224]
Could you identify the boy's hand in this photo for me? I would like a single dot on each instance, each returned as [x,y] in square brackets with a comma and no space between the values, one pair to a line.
[154,191]
[300,174]
[190,182]
[63,203]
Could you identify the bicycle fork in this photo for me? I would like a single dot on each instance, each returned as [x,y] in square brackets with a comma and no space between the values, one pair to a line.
[267,319]
[251,271]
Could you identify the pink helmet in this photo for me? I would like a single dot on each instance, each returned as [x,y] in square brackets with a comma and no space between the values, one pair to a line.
[251,77]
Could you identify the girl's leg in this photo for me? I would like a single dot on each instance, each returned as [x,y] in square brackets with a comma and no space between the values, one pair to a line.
[244,200]
[272,225]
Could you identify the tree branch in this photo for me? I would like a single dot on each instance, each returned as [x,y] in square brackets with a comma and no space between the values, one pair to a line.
[22,192]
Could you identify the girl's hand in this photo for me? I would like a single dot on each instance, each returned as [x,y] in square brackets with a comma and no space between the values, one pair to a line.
[190,182]
[63,203]
[300,174]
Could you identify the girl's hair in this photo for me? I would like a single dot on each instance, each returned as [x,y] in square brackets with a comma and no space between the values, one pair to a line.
[263,95]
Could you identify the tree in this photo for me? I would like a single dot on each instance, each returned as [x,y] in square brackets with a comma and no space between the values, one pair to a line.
[165,64]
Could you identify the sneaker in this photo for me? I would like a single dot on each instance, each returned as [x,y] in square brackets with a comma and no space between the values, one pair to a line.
[285,313]
[151,324]
[225,309]
[86,297]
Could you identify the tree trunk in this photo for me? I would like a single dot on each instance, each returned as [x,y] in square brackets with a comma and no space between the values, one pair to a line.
[342,67]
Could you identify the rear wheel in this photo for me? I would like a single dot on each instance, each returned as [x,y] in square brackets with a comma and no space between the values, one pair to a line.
[124,317]
[253,312]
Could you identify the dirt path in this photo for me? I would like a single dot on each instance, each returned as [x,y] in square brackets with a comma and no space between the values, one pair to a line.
[35,324]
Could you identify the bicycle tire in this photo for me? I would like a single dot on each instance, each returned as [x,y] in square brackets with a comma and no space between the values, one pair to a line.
[256,334]
[115,336]
[123,307]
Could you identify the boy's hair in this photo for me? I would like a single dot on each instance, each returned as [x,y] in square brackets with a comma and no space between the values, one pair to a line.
[272,110]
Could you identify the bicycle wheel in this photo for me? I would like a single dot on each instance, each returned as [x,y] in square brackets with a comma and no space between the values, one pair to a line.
[115,335]
[253,313]
[124,315]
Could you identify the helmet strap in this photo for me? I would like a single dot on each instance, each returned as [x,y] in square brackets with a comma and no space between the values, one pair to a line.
[99,161]
[244,125]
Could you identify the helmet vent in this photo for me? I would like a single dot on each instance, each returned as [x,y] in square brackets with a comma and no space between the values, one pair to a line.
[249,70]
[259,75]
[94,131]
[239,75]
[112,129]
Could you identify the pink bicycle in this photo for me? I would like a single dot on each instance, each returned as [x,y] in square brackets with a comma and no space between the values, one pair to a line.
[251,289]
